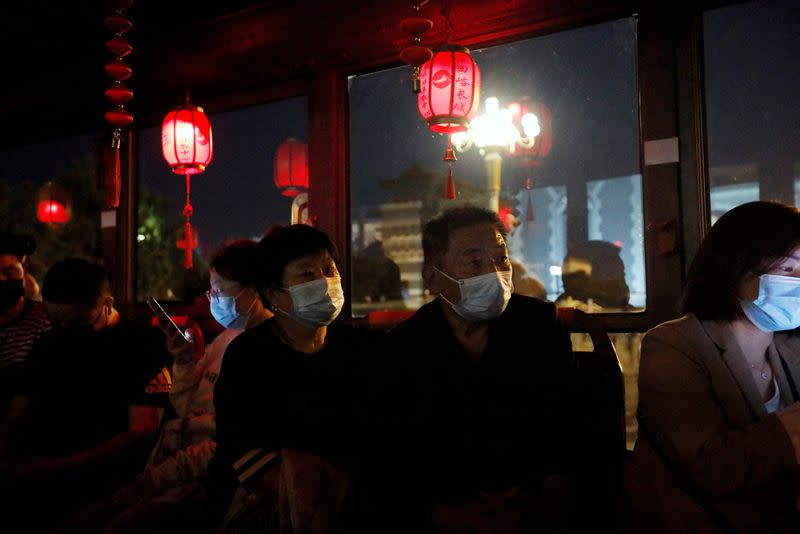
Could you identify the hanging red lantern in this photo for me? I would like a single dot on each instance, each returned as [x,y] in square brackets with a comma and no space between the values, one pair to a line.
[187,146]
[291,167]
[54,205]
[450,92]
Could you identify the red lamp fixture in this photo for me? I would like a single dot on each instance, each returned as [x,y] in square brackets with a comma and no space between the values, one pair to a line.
[291,167]
[54,205]
[187,145]
[449,98]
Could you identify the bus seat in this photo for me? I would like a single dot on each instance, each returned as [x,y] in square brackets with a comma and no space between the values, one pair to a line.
[386,318]
[600,428]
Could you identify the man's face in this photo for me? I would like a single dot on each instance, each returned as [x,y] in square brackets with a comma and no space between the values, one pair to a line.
[75,314]
[473,251]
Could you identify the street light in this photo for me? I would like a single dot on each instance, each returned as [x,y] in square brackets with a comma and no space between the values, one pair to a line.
[493,132]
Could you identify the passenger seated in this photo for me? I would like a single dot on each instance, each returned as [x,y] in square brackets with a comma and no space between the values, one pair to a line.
[719,437]
[476,392]
[171,493]
[22,320]
[87,413]
[287,397]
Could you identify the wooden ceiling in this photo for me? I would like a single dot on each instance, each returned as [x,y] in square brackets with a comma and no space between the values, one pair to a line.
[229,53]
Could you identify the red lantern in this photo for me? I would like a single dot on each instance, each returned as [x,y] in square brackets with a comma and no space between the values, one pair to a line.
[543,142]
[54,204]
[187,146]
[450,90]
[186,140]
[291,167]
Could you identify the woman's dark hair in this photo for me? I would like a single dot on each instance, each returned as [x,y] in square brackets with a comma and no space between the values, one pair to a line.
[237,261]
[284,244]
[437,231]
[746,241]
[75,281]
[19,245]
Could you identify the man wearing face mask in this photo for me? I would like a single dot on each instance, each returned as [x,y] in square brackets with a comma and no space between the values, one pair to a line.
[89,405]
[287,395]
[477,389]
[22,320]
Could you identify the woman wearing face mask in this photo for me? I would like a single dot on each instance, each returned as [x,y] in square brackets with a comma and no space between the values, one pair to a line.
[171,490]
[719,433]
[288,389]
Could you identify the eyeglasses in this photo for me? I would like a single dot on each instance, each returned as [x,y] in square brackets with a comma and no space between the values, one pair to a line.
[214,293]
[217,293]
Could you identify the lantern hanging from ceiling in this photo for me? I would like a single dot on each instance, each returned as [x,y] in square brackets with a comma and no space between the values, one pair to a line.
[187,146]
[450,92]
[54,204]
[449,98]
[291,167]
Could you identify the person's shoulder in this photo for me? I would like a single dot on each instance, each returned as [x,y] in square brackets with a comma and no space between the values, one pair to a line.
[682,328]
[137,333]
[259,338]
[530,307]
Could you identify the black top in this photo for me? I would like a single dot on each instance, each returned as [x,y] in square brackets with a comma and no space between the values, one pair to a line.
[81,383]
[269,396]
[463,426]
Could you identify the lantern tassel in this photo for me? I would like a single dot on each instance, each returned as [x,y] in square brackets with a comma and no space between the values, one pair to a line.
[449,157]
[187,212]
[113,182]
[450,186]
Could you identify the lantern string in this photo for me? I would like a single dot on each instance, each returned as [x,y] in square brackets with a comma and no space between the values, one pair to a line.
[187,212]
[446,14]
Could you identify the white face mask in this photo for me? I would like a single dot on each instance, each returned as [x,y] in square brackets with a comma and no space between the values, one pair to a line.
[482,297]
[316,303]
[778,304]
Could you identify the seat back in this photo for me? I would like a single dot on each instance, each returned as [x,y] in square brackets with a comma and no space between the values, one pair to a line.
[600,425]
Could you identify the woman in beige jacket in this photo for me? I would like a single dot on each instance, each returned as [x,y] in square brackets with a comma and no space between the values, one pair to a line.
[719,415]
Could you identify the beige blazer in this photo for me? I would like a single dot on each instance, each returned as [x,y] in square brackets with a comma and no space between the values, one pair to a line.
[701,407]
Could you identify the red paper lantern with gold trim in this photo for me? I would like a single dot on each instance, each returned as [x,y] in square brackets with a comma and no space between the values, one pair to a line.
[450,93]
[291,167]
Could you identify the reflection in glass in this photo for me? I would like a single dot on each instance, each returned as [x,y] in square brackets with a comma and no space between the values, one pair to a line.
[565,111]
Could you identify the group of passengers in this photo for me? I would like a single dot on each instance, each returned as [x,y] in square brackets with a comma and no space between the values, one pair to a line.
[464,418]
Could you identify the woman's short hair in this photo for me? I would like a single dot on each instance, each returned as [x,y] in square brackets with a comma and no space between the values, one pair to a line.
[284,244]
[746,241]
[436,233]
[237,262]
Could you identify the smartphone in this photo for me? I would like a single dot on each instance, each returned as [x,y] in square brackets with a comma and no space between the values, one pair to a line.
[159,311]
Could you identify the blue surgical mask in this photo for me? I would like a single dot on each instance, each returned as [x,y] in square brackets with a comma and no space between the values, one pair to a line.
[482,297]
[316,303]
[223,308]
[778,304]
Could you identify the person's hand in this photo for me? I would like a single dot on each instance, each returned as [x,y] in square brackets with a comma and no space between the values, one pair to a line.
[790,419]
[182,349]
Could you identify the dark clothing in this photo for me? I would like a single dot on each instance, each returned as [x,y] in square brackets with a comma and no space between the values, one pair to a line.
[456,427]
[269,396]
[81,384]
[16,342]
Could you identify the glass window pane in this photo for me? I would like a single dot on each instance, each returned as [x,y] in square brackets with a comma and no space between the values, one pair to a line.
[752,104]
[71,205]
[235,198]
[581,88]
